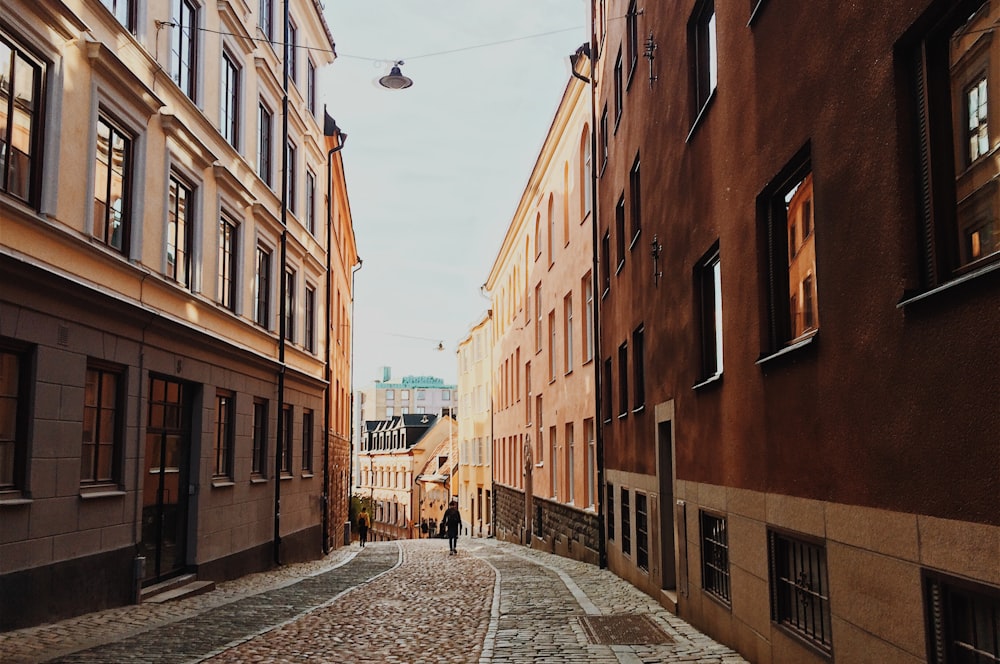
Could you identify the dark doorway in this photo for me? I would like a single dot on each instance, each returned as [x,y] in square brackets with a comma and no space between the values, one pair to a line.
[165,480]
[665,474]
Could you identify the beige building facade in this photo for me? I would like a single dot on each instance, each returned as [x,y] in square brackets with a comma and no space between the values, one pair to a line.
[163,323]
[475,429]
[541,286]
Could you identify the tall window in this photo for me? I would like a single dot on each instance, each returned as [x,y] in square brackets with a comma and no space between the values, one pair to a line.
[609,492]
[14,397]
[641,532]
[715,556]
[538,317]
[705,65]
[112,185]
[708,278]
[292,49]
[568,333]
[552,345]
[570,461]
[963,621]
[179,204]
[292,184]
[620,231]
[230,107]
[527,387]
[227,262]
[183,51]
[960,229]
[619,88]
[604,138]
[639,367]
[22,79]
[635,201]
[626,512]
[605,258]
[586,173]
[307,440]
[225,433]
[262,288]
[309,319]
[550,240]
[124,11]
[264,137]
[266,18]
[800,592]
[290,305]
[591,463]
[606,390]
[286,439]
[789,228]
[623,404]
[310,202]
[258,454]
[102,426]
[311,86]
[553,462]
[588,318]
[631,37]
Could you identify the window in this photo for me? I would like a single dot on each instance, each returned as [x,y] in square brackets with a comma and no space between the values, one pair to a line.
[538,425]
[307,440]
[309,319]
[626,510]
[259,452]
[800,596]
[960,231]
[103,409]
[619,89]
[225,433]
[446,395]
[291,51]
[604,138]
[638,367]
[266,19]
[286,440]
[404,394]
[179,204]
[389,395]
[620,231]
[550,239]
[552,345]
[291,183]
[708,281]
[311,86]
[568,333]
[605,259]
[570,469]
[538,317]
[183,41]
[715,556]
[112,185]
[553,463]
[527,387]
[606,390]
[632,38]
[262,288]
[623,404]
[124,11]
[635,202]
[264,136]
[15,379]
[390,411]
[230,103]
[588,318]
[421,395]
[227,262]
[641,532]
[610,494]
[21,113]
[787,211]
[591,463]
[538,235]
[704,71]
[586,173]
[963,621]
[310,202]
[290,305]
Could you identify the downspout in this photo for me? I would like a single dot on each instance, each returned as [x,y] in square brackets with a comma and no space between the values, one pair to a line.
[350,408]
[328,374]
[282,295]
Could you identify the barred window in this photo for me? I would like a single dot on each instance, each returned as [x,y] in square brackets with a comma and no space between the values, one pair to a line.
[963,621]
[715,556]
[610,494]
[626,522]
[800,595]
[641,532]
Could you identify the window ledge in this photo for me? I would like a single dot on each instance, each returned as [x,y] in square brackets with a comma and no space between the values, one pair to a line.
[638,409]
[711,380]
[222,483]
[287,477]
[702,112]
[258,480]
[635,239]
[622,416]
[791,348]
[969,276]
[14,499]
[307,475]
[105,493]
[621,265]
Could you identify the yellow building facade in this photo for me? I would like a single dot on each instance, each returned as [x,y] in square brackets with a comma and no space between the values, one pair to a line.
[475,429]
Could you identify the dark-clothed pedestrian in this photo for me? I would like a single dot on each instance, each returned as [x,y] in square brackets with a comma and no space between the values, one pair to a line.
[452,521]
[364,523]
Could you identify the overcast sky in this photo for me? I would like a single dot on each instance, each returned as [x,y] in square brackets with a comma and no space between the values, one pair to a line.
[435,172]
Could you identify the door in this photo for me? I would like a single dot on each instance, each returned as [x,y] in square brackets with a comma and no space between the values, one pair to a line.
[665,473]
[165,480]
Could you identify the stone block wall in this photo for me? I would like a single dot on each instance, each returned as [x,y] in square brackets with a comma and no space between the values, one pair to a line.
[562,529]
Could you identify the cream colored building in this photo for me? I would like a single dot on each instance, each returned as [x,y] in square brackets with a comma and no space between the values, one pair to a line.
[152,423]
[475,429]
[541,285]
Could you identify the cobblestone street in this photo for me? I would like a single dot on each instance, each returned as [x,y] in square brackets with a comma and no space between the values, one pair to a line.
[405,601]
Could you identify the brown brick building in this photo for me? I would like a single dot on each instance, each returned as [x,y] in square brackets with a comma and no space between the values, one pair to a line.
[798,286]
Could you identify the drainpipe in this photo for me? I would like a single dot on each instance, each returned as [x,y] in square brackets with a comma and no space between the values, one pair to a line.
[350,408]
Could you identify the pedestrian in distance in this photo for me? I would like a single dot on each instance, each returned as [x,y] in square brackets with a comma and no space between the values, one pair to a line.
[364,523]
[452,521]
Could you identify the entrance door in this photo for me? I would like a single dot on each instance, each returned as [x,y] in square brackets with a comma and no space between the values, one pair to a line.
[165,481]
[665,472]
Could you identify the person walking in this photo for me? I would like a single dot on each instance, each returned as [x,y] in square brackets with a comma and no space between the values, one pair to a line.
[364,523]
[452,521]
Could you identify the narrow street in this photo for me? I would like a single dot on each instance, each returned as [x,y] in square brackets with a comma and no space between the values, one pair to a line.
[406,601]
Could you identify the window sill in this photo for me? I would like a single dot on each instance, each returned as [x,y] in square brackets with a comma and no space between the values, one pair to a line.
[711,380]
[622,416]
[638,409]
[621,265]
[791,348]
[968,276]
[307,475]
[285,477]
[258,480]
[635,239]
[222,483]
[701,114]
[13,499]
[568,372]
[100,493]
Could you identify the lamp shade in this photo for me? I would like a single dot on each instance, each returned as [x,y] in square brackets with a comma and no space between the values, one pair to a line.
[395,79]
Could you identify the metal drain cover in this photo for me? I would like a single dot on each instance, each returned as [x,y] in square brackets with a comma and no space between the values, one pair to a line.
[628,630]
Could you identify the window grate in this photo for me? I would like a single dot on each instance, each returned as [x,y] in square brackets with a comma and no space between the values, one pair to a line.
[715,556]
[800,599]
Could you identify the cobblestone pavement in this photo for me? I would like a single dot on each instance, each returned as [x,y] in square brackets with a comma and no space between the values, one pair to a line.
[393,602]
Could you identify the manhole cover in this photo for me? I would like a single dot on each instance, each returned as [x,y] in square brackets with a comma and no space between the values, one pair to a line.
[628,630]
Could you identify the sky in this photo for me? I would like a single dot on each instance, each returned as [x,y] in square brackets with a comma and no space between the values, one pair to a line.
[435,172]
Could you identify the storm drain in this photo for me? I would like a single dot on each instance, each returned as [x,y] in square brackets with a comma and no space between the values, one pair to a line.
[628,630]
